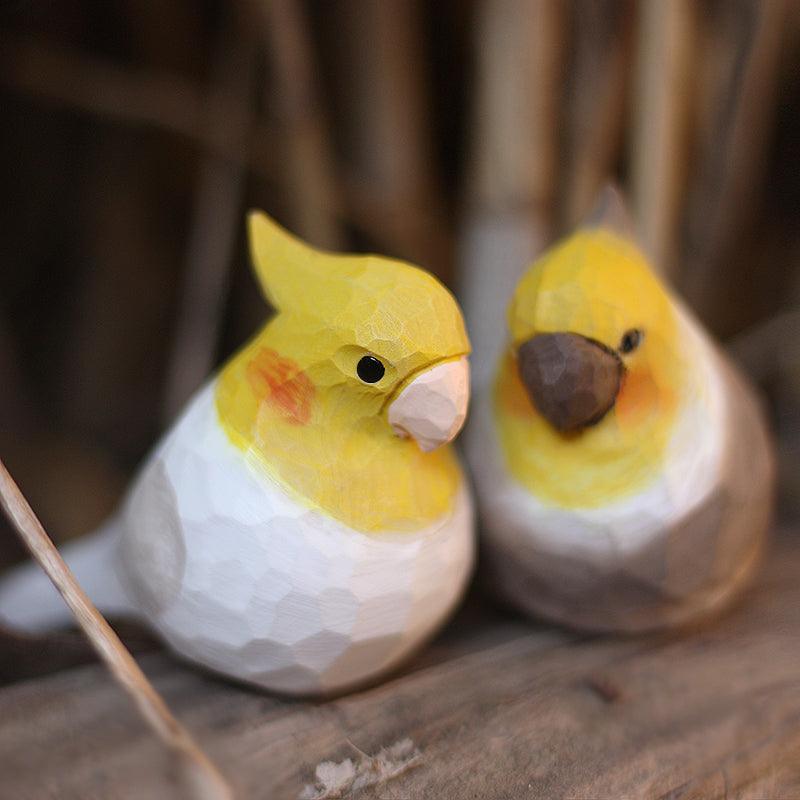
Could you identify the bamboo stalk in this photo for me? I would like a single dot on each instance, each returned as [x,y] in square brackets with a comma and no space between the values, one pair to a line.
[307,165]
[74,81]
[739,109]
[520,53]
[140,97]
[598,89]
[511,187]
[386,133]
[200,777]
[662,99]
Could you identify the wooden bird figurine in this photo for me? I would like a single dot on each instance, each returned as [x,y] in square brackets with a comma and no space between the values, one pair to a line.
[304,525]
[622,464]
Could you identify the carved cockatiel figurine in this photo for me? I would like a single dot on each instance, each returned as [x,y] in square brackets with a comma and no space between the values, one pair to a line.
[303,526]
[622,466]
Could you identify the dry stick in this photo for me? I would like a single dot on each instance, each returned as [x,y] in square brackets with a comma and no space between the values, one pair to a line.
[770,346]
[308,165]
[598,87]
[97,86]
[101,87]
[514,162]
[216,220]
[724,191]
[381,60]
[520,65]
[661,104]
[203,780]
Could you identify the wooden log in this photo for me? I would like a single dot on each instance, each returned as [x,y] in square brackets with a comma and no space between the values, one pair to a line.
[497,708]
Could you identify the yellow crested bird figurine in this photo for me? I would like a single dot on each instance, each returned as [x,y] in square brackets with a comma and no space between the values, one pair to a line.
[622,466]
[304,525]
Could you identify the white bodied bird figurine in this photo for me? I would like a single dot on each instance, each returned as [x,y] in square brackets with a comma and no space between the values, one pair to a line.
[303,526]
[622,465]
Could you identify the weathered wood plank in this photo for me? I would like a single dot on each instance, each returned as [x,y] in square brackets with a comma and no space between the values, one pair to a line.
[499,708]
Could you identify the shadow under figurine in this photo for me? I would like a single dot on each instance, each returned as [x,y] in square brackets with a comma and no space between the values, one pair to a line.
[622,466]
[303,526]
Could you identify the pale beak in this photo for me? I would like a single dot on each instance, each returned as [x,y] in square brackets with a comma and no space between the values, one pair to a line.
[433,407]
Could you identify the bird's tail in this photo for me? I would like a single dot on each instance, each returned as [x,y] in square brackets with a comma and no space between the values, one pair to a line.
[29,601]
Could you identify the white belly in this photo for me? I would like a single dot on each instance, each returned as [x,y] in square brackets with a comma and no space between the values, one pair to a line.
[241,578]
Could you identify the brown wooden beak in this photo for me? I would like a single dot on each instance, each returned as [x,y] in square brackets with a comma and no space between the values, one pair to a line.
[572,380]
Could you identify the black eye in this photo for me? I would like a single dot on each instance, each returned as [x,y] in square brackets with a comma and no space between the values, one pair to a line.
[631,340]
[370,370]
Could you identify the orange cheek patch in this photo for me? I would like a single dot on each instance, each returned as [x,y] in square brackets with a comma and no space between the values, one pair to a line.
[281,383]
[512,394]
[640,397]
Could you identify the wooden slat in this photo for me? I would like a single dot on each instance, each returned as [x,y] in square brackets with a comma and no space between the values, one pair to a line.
[498,708]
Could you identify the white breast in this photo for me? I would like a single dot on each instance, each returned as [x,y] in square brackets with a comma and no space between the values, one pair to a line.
[247,581]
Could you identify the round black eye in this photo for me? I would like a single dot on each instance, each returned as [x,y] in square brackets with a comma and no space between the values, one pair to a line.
[631,340]
[370,370]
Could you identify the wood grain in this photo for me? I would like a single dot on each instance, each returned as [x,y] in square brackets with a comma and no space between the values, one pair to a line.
[498,708]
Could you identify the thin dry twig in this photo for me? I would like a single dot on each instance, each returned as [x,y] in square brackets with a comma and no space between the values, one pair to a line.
[201,778]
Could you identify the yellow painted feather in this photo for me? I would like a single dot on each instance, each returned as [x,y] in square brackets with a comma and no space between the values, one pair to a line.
[597,284]
[291,399]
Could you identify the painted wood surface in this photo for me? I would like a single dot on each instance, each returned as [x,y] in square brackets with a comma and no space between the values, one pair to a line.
[498,708]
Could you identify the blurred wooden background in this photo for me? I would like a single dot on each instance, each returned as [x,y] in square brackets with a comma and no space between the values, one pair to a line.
[136,133]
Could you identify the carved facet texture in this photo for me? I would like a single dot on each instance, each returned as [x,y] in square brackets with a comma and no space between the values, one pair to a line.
[259,587]
[300,396]
[664,557]
[653,510]
[572,380]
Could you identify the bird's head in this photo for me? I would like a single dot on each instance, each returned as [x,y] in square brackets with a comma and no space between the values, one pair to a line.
[359,343]
[596,365]
[594,331]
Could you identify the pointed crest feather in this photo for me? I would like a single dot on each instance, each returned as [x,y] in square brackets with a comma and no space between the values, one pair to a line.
[611,211]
